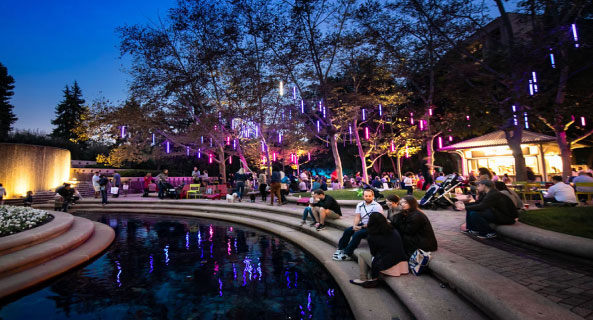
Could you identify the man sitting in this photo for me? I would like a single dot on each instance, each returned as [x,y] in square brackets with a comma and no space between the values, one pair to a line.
[493,207]
[583,177]
[560,193]
[325,207]
[352,235]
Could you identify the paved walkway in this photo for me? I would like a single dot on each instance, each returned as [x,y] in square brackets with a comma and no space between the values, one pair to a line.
[563,281]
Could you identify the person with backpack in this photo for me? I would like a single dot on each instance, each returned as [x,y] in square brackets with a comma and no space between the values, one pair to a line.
[103,181]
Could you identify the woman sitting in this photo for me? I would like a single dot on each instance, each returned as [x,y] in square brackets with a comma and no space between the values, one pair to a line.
[500,186]
[387,254]
[414,227]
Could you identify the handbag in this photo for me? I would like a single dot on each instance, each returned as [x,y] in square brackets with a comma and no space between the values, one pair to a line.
[114,190]
[419,261]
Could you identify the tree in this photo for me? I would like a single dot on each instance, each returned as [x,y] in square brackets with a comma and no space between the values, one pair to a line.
[7,117]
[71,114]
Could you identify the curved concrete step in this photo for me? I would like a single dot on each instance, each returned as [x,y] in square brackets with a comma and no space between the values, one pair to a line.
[422,295]
[29,257]
[61,222]
[101,238]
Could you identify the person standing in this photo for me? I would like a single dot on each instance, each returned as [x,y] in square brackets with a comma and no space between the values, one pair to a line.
[275,187]
[147,181]
[162,180]
[353,235]
[103,182]
[96,186]
[117,183]
[2,194]
[240,178]
[262,182]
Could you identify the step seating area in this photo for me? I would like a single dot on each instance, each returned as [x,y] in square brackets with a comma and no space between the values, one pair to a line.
[33,256]
[475,286]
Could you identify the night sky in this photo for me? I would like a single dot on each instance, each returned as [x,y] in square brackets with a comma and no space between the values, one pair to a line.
[46,45]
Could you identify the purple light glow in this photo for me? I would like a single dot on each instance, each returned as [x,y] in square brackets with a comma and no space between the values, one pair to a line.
[366,133]
[199,153]
[168,146]
[575,35]
[583,122]
[153,139]
[364,116]
[123,132]
[234,144]
[302,106]
[187,151]
[421,122]
[324,112]
[210,158]
[318,129]
[274,157]
[430,112]
[411,118]
[440,142]
[380,110]
[309,156]
[526,120]
[552,60]
[279,137]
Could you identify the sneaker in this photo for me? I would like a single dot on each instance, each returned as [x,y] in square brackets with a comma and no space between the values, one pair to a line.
[320,227]
[490,235]
[342,257]
[470,232]
[338,252]
[303,222]
[313,224]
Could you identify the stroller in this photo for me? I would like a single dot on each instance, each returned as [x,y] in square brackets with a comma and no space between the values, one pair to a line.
[171,191]
[440,196]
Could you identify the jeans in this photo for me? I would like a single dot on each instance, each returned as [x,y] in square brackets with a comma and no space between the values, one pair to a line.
[66,204]
[161,190]
[103,195]
[480,221]
[347,244]
[240,189]
[308,211]
[410,190]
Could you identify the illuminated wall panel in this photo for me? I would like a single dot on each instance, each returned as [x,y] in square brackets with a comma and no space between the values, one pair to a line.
[35,168]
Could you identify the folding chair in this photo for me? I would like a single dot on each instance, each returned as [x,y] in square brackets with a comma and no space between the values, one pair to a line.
[194,189]
[584,184]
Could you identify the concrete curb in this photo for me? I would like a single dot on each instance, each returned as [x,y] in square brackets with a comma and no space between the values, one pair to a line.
[560,242]
[501,297]
[60,224]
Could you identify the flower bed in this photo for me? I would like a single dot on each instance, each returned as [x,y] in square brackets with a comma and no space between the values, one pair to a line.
[17,219]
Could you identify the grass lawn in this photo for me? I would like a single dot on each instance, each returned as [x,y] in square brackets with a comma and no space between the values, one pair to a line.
[352,195]
[577,221]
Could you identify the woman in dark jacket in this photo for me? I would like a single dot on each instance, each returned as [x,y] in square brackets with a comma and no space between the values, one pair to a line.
[387,254]
[414,227]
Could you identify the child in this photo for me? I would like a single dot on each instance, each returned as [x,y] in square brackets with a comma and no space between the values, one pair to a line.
[126,186]
[409,183]
[28,200]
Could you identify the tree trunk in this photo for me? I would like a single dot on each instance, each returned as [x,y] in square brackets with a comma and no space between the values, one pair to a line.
[378,165]
[514,137]
[361,153]
[221,163]
[565,153]
[337,159]
[242,157]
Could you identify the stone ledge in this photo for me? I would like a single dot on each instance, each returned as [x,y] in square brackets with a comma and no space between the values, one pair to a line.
[498,296]
[560,242]
[60,223]
[101,239]
[422,295]
[16,261]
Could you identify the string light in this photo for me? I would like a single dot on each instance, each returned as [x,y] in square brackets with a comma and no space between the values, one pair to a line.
[411,118]
[552,60]
[274,156]
[366,133]
[526,120]
[309,156]
[440,142]
[281,89]
[421,122]
[380,110]
[123,132]
[153,139]
[450,138]
[210,158]
[279,137]
[228,140]
[199,153]
[168,146]
[324,112]
[583,122]
[234,144]
[187,151]
[294,93]
[407,152]
[318,128]
[392,146]
[230,159]
[430,112]
[302,106]
[364,115]
[575,35]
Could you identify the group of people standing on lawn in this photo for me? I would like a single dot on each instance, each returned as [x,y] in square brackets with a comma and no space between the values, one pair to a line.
[393,235]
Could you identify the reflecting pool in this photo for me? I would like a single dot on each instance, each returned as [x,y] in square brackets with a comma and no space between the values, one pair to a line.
[166,267]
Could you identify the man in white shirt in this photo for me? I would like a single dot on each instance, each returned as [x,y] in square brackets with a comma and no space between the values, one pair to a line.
[353,235]
[96,185]
[560,192]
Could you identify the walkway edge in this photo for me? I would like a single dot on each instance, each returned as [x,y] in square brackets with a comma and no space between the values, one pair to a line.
[560,242]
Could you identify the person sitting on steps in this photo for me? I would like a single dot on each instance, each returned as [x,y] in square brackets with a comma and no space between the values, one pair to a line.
[326,207]
[414,227]
[353,235]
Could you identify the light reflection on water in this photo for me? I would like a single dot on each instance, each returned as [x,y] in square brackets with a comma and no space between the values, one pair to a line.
[154,270]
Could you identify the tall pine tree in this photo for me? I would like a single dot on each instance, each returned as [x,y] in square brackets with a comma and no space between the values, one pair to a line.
[70,115]
[7,117]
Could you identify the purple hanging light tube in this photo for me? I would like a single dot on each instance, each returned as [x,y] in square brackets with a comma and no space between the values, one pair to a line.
[575,36]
